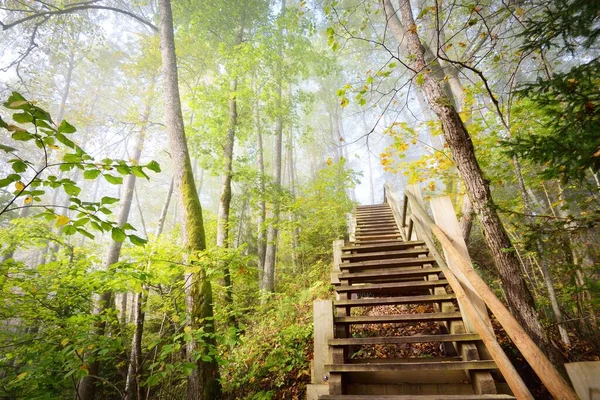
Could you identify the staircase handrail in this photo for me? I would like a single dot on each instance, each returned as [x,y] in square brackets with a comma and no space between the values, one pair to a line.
[414,212]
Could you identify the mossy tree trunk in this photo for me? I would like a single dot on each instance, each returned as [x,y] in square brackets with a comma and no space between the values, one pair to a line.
[203,382]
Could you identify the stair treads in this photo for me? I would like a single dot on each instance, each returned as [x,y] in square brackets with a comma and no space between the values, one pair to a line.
[373,287]
[412,366]
[389,301]
[418,397]
[398,318]
[463,337]
[383,246]
[394,261]
[390,253]
[388,273]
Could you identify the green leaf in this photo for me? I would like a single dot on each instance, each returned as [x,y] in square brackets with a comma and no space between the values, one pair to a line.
[22,135]
[137,241]
[66,127]
[3,124]
[139,172]
[5,182]
[115,180]
[64,140]
[19,166]
[91,173]
[85,233]
[22,118]
[69,230]
[109,200]
[71,189]
[118,235]
[153,166]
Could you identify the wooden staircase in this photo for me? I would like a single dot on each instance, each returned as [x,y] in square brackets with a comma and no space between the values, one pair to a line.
[390,286]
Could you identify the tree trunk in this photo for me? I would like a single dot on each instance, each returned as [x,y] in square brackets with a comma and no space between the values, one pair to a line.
[203,382]
[165,209]
[268,283]
[261,243]
[517,294]
[225,199]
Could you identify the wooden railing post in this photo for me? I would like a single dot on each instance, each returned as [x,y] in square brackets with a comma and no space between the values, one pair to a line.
[337,260]
[445,218]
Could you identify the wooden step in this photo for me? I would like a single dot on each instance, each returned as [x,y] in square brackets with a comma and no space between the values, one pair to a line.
[379,287]
[464,337]
[379,228]
[388,254]
[390,273]
[358,243]
[367,237]
[374,215]
[390,301]
[397,262]
[398,245]
[398,318]
[418,397]
[413,366]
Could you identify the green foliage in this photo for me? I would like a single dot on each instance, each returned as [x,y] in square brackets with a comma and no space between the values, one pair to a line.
[31,180]
[563,121]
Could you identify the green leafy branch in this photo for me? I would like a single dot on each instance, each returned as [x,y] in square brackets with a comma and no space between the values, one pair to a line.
[47,136]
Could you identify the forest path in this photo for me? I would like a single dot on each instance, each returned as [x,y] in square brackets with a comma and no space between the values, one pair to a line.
[399,333]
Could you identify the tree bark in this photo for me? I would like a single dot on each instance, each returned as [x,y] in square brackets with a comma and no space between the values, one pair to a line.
[203,382]
[225,198]
[268,282]
[165,209]
[262,208]
[457,137]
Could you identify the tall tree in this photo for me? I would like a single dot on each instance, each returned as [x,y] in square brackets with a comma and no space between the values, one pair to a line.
[203,382]
[458,139]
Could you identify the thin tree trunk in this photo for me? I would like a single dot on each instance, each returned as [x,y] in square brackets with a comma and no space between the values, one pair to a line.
[261,242]
[165,209]
[225,199]
[268,283]
[203,382]
[517,294]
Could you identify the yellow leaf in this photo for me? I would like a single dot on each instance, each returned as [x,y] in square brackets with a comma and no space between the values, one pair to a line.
[21,376]
[413,28]
[28,199]
[62,220]
[448,46]
[329,161]
[19,186]
[18,103]
[520,12]
[175,318]
[187,329]
[64,342]
[461,44]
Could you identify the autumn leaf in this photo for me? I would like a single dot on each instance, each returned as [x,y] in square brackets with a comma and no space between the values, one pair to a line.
[62,220]
[28,199]
[19,186]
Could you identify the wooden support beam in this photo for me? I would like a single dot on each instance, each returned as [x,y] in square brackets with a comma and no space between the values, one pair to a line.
[323,332]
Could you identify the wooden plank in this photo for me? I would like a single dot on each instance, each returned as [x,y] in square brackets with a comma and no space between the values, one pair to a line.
[467,337]
[414,366]
[375,254]
[445,218]
[337,260]
[323,332]
[538,361]
[393,300]
[387,273]
[374,287]
[419,397]
[379,263]
[379,319]
[397,245]
[585,378]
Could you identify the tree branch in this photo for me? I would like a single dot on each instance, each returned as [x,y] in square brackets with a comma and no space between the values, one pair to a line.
[73,9]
